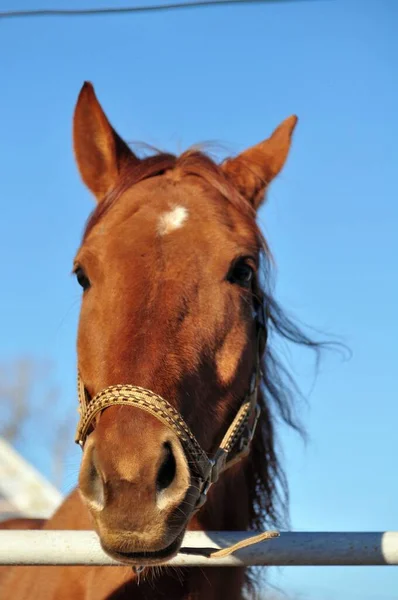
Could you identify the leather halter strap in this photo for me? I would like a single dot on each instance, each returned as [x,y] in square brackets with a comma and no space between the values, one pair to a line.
[235,444]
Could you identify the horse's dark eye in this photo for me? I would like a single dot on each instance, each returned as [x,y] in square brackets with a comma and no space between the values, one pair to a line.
[82,278]
[241,274]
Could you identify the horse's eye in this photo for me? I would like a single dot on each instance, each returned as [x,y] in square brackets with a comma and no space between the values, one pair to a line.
[241,273]
[82,278]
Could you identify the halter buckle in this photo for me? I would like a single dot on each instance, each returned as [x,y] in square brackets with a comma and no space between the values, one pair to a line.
[217,465]
[203,494]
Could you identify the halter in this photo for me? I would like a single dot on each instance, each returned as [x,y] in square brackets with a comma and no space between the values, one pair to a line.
[235,444]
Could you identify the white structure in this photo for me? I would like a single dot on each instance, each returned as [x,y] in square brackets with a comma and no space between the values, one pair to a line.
[23,491]
[319,549]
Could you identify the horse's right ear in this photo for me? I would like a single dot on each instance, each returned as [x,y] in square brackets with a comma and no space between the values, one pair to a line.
[100,153]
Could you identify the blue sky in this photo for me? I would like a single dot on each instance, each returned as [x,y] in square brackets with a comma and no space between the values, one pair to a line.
[231,75]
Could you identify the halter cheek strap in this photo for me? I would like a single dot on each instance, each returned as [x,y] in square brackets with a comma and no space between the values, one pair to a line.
[234,446]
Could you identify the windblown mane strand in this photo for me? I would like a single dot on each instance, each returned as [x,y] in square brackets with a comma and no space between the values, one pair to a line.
[265,477]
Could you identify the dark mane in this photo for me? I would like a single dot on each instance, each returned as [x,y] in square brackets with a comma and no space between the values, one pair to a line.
[265,475]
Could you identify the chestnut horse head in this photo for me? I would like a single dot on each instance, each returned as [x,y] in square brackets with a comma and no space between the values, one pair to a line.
[169,267]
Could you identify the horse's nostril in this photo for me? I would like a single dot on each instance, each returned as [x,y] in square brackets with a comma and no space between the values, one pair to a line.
[167,469]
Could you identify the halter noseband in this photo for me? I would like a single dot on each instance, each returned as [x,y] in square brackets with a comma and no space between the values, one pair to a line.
[235,444]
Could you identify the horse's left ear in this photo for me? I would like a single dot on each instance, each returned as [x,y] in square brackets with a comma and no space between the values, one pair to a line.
[100,152]
[254,169]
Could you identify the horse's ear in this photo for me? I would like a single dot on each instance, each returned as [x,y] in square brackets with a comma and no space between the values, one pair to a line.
[100,153]
[254,169]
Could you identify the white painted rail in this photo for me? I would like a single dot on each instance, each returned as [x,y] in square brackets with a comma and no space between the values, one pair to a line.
[318,549]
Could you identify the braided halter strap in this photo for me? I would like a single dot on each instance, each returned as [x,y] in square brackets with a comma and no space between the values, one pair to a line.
[206,469]
[235,444]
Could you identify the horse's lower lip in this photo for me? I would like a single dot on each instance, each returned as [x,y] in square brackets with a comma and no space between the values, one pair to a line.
[147,558]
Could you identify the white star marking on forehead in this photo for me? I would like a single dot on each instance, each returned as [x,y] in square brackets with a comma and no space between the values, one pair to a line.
[172,220]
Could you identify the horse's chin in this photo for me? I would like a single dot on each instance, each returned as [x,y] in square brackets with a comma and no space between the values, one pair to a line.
[146,558]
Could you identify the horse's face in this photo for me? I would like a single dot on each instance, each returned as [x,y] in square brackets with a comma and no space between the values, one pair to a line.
[168,271]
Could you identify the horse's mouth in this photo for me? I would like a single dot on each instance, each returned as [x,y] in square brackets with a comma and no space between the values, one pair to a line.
[147,558]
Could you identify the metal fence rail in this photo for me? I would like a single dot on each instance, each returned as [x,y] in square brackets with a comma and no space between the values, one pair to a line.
[317,549]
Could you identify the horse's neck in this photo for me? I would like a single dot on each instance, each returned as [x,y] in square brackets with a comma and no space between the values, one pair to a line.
[228,504]
[72,514]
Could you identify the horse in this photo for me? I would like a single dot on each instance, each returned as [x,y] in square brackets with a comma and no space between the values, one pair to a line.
[180,387]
